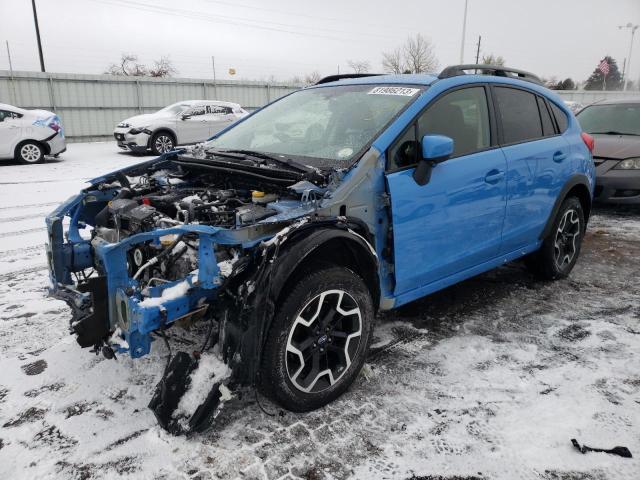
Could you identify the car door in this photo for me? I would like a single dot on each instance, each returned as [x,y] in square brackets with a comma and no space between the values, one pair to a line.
[454,222]
[219,117]
[537,162]
[192,126]
[10,132]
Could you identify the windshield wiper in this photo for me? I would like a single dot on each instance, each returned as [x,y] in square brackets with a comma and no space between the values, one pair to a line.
[284,161]
[614,132]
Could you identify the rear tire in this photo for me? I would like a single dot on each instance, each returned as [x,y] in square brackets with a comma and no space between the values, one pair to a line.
[162,142]
[29,153]
[560,250]
[318,340]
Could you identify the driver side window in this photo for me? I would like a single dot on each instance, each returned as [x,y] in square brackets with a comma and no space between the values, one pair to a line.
[462,115]
[197,110]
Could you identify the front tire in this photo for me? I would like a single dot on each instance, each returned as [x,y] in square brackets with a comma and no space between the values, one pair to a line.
[162,142]
[560,250]
[318,340]
[29,153]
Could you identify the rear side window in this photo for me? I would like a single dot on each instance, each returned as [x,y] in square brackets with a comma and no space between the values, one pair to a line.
[519,114]
[547,123]
[561,117]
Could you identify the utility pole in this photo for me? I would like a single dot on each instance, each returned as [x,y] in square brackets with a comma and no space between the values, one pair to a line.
[215,85]
[13,86]
[627,67]
[464,31]
[9,57]
[478,50]
[35,20]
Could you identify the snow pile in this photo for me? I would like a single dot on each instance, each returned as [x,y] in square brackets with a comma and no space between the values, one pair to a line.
[226,266]
[171,293]
[210,370]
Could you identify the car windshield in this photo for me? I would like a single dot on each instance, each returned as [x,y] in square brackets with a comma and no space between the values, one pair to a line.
[621,118]
[175,109]
[322,127]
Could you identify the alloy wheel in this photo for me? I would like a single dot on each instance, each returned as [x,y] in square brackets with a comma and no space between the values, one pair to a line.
[323,340]
[565,245]
[30,153]
[164,143]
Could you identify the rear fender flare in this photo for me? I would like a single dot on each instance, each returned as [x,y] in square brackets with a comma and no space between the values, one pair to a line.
[577,180]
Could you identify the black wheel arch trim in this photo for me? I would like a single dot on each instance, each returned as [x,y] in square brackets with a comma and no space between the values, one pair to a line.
[574,180]
[41,143]
[246,331]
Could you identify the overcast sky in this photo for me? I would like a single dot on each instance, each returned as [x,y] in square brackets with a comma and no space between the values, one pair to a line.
[284,38]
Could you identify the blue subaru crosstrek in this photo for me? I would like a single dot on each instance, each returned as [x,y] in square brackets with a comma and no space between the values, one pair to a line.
[284,234]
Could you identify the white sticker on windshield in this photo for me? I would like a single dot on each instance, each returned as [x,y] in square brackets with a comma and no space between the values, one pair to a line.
[404,91]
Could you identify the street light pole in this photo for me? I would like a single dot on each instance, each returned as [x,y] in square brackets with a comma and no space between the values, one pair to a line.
[627,68]
[35,19]
[464,31]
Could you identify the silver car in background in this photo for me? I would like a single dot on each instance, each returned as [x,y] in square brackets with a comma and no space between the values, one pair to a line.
[28,135]
[181,123]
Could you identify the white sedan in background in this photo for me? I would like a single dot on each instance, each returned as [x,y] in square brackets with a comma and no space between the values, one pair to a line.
[28,135]
[182,123]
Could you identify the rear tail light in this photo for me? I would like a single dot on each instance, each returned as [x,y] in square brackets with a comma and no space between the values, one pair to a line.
[55,124]
[588,141]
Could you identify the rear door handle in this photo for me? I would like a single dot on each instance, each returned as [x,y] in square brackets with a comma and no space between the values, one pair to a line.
[559,156]
[494,176]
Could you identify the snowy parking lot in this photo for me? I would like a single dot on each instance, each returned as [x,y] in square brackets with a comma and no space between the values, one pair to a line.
[488,379]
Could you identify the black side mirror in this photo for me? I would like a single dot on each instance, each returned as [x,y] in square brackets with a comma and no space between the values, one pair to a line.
[435,149]
[185,116]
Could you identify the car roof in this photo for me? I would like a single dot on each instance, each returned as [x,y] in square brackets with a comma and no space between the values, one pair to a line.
[212,102]
[619,101]
[401,79]
[6,106]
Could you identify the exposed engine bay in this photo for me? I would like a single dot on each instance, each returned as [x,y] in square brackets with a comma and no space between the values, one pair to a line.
[189,194]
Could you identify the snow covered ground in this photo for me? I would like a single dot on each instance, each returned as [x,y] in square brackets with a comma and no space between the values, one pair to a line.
[487,379]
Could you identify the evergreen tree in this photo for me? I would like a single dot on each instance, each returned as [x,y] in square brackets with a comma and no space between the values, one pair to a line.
[613,80]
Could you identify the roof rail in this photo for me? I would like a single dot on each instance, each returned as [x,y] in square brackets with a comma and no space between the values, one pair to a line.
[495,70]
[335,78]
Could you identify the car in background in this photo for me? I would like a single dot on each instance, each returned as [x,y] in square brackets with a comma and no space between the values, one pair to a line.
[575,107]
[28,135]
[181,123]
[615,126]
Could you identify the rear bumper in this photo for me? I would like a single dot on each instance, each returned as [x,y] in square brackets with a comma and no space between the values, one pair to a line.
[57,144]
[616,186]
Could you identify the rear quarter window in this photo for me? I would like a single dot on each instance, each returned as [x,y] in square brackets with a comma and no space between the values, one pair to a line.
[561,117]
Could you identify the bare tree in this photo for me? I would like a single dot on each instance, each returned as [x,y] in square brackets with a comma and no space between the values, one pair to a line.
[162,68]
[130,67]
[392,62]
[492,59]
[417,55]
[359,66]
[312,78]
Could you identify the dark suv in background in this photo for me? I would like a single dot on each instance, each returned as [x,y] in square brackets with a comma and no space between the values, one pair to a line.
[615,125]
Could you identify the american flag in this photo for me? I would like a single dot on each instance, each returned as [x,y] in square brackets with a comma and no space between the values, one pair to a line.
[604,66]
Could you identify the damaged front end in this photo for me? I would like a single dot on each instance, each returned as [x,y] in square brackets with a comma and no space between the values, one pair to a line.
[180,239]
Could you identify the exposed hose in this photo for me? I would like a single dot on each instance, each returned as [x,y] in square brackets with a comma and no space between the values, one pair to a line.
[157,258]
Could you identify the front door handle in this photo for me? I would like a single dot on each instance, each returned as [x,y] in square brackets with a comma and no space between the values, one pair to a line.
[559,156]
[494,176]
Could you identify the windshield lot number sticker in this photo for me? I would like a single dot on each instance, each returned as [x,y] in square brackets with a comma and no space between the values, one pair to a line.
[404,91]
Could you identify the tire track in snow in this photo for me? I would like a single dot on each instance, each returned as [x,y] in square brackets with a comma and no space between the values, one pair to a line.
[22,232]
[23,217]
[32,205]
